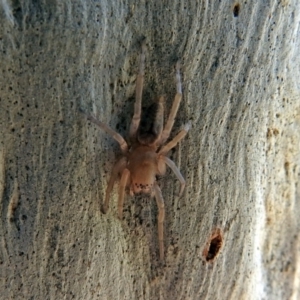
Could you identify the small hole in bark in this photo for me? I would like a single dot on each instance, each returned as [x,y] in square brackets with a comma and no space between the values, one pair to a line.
[236,10]
[213,246]
[286,168]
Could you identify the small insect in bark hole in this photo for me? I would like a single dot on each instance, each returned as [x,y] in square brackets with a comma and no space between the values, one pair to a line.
[213,246]
[236,10]
[145,153]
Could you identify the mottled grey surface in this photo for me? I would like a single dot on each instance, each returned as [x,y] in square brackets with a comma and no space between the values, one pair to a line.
[241,158]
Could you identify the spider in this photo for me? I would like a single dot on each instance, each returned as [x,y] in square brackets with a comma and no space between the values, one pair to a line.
[146,157]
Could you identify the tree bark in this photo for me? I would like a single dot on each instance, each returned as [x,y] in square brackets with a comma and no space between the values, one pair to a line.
[234,234]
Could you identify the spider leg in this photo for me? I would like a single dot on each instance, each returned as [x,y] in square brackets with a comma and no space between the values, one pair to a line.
[138,95]
[123,184]
[176,171]
[160,219]
[168,127]
[166,148]
[111,132]
[118,167]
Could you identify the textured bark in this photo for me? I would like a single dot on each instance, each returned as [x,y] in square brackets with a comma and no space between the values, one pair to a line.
[241,70]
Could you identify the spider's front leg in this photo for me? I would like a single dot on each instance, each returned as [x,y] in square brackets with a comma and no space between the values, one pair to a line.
[180,135]
[166,132]
[108,130]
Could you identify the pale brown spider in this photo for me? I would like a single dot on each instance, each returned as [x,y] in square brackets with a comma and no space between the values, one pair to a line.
[145,158]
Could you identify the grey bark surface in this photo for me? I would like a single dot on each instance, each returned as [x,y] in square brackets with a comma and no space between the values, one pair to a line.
[241,91]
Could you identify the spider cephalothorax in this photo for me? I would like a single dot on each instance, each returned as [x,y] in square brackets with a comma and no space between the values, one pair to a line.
[146,158]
